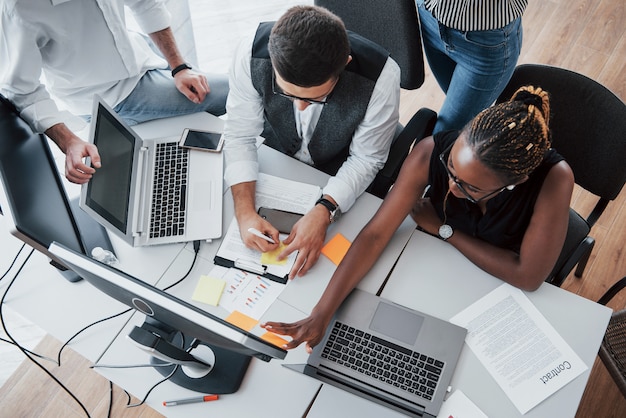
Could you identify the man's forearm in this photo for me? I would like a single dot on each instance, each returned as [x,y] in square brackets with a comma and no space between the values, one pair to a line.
[243,196]
[61,135]
[165,41]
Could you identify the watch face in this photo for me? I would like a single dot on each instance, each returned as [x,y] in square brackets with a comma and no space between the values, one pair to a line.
[335,215]
[445,231]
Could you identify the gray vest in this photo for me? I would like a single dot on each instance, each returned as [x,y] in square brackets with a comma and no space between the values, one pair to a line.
[329,145]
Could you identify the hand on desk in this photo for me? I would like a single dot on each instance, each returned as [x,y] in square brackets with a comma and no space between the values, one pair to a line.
[307,237]
[310,330]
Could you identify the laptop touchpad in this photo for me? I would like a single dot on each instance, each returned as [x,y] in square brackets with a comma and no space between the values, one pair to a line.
[397,323]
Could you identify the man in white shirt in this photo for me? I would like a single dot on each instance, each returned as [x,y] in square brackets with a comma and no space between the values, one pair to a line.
[83,47]
[318,94]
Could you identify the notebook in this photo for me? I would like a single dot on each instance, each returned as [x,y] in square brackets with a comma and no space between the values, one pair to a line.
[389,354]
[151,191]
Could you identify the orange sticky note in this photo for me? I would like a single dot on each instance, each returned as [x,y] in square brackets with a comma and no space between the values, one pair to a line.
[241,320]
[272,338]
[336,248]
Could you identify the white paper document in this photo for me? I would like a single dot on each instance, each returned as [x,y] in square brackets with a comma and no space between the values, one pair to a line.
[279,193]
[518,346]
[458,405]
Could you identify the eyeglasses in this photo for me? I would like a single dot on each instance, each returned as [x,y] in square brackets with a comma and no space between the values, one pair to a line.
[302,99]
[460,184]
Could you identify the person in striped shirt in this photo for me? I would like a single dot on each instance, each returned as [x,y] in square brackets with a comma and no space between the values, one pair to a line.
[472,47]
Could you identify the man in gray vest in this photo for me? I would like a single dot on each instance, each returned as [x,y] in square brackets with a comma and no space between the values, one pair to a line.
[319,94]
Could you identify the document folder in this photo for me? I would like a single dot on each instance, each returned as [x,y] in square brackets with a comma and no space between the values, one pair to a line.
[233,253]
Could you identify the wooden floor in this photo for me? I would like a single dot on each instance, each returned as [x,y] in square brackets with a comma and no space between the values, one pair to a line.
[582,35]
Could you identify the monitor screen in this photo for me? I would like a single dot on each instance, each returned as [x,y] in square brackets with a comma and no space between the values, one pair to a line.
[229,343]
[32,196]
[108,192]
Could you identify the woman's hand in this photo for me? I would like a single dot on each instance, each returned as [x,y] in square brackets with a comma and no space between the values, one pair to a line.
[310,330]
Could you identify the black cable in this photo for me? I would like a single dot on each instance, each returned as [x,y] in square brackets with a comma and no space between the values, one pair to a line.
[196,249]
[85,328]
[9,341]
[152,388]
[13,262]
[32,359]
[110,399]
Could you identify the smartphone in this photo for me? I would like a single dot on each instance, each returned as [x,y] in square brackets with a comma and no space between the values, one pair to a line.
[201,140]
[280,219]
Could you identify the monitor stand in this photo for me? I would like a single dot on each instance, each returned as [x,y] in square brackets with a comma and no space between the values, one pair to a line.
[92,235]
[223,369]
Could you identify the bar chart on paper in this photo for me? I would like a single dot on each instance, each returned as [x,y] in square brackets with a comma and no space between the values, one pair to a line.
[249,293]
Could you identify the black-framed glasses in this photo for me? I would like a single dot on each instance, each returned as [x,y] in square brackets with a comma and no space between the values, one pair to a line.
[444,157]
[302,99]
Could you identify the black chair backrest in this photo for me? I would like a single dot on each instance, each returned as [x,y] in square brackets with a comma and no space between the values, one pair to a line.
[392,24]
[588,125]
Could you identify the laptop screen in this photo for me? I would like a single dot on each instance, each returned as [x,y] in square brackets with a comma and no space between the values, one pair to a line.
[108,192]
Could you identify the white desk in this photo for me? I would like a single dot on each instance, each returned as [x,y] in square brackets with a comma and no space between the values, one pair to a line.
[61,308]
[433,277]
[295,302]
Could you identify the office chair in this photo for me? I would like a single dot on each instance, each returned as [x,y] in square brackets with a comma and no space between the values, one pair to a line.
[613,349]
[588,127]
[394,25]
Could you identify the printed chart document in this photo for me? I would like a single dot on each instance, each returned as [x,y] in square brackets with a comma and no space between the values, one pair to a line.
[518,346]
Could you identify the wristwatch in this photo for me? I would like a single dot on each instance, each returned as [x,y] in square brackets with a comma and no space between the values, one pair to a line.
[335,212]
[445,231]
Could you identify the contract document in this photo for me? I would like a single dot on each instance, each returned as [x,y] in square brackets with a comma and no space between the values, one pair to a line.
[521,350]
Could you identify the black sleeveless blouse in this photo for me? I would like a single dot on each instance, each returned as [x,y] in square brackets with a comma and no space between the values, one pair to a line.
[507,215]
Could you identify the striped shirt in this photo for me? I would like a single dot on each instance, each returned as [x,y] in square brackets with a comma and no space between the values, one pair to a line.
[470,15]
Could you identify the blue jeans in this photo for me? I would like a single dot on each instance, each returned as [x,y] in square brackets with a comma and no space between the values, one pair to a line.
[471,67]
[156,96]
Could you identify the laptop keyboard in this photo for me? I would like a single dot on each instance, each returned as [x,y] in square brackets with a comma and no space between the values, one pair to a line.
[387,362]
[170,191]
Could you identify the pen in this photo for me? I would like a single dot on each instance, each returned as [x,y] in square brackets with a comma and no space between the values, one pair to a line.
[205,398]
[259,234]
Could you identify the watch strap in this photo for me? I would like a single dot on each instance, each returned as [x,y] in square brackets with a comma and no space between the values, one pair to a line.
[179,68]
[327,204]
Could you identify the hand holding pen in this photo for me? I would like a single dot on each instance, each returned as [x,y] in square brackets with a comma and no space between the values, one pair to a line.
[259,234]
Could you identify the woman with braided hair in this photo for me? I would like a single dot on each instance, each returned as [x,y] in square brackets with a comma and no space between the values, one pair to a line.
[494,190]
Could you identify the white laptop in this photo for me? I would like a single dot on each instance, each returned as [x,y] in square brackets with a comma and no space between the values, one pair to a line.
[151,191]
[387,353]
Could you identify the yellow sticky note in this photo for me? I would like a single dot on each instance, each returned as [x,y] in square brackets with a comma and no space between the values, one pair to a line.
[241,320]
[209,290]
[336,248]
[272,338]
[270,256]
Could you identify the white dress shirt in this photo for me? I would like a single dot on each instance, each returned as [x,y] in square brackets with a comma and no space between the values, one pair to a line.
[368,150]
[82,47]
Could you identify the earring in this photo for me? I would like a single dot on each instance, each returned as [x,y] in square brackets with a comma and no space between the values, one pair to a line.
[510,187]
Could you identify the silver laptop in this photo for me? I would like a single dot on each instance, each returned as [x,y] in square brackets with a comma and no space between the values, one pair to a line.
[151,191]
[387,353]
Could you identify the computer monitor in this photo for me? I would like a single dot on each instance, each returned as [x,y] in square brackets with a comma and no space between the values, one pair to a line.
[170,326]
[32,196]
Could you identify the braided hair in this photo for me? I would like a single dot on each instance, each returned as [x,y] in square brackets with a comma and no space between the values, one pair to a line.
[511,138]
